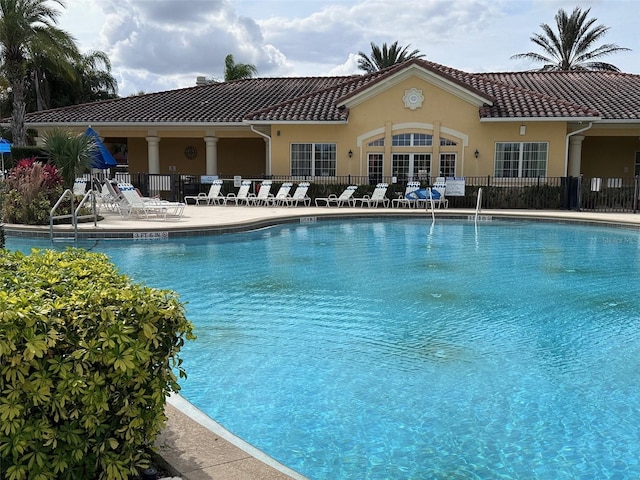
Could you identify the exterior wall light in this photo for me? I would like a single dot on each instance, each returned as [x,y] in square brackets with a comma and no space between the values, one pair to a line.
[476,153]
[350,153]
[523,129]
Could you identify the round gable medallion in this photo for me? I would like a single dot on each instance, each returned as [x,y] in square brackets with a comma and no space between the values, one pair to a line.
[413,98]
[190,152]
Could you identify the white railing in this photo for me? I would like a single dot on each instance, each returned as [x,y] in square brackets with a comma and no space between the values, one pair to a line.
[478,204]
[74,215]
[428,203]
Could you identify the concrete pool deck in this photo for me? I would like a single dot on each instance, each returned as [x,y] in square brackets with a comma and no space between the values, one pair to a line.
[193,445]
[225,219]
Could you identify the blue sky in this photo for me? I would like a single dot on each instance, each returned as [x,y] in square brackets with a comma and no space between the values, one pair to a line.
[157,45]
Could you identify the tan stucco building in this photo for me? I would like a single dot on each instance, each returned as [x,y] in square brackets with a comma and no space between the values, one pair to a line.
[417,120]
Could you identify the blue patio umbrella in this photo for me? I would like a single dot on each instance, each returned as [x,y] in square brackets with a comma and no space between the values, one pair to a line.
[5,147]
[102,158]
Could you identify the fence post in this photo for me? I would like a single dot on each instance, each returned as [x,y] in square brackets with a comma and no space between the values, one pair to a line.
[635,195]
[572,193]
[579,194]
[176,186]
[487,197]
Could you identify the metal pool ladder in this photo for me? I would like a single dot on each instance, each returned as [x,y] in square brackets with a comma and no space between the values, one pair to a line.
[74,215]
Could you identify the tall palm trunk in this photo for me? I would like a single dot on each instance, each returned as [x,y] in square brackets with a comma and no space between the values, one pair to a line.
[17,83]
[26,28]
[40,86]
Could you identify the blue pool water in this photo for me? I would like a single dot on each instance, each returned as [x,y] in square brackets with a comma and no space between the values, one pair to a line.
[400,350]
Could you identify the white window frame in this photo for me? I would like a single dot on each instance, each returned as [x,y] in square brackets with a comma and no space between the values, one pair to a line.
[412,170]
[412,140]
[312,158]
[448,170]
[520,157]
[375,167]
[447,142]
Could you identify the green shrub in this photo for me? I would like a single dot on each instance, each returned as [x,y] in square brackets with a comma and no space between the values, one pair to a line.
[86,361]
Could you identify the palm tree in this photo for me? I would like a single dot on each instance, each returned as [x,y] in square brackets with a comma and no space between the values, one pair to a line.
[572,48]
[91,81]
[42,68]
[71,153]
[237,71]
[28,27]
[385,57]
[94,72]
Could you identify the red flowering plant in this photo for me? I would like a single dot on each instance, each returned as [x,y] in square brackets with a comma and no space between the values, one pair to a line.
[29,191]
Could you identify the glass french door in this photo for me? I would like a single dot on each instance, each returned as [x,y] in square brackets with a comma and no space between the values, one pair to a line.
[375,164]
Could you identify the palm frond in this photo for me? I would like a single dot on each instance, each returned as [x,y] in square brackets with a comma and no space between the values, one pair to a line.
[72,153]
[572,44]
[385,56]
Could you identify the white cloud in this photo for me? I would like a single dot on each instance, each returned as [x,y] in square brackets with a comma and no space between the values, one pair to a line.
[349,67]
[163,44]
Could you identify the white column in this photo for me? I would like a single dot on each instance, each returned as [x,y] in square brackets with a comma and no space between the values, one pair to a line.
[153,154]
[575,155]
[211,155]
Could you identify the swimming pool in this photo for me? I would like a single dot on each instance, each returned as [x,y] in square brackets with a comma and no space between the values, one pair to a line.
[400,349]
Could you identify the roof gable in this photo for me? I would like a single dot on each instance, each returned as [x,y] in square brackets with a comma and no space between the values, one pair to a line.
[419,69]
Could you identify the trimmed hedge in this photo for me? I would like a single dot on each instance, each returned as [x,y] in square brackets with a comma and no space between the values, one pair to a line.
[86,361]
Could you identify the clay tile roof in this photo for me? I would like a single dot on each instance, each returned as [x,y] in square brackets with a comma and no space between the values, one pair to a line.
[613,95]
[510,101]
[320,106]
[226,102]
[514,102]
[606,95]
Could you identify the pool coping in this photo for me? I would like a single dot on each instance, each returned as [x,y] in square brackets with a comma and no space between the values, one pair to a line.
[192,444]
[196,447]
[217,220]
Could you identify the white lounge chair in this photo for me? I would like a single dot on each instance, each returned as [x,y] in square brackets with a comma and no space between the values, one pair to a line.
[345,197]
[133,205]
[404,200]
[441,201]
[378,196]
[300,195]
[242,196]
[111,199]
[103,197]
[264,195]
[80,186]
[213,197]
[281,196]
[138,206]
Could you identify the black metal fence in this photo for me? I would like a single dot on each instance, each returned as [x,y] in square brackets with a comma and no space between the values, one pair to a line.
[538,193]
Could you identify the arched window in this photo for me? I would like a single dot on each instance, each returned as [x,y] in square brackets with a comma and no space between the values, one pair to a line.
[412,140]
[445,142]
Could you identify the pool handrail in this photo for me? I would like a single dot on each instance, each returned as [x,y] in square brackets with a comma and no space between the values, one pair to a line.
[478,204]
